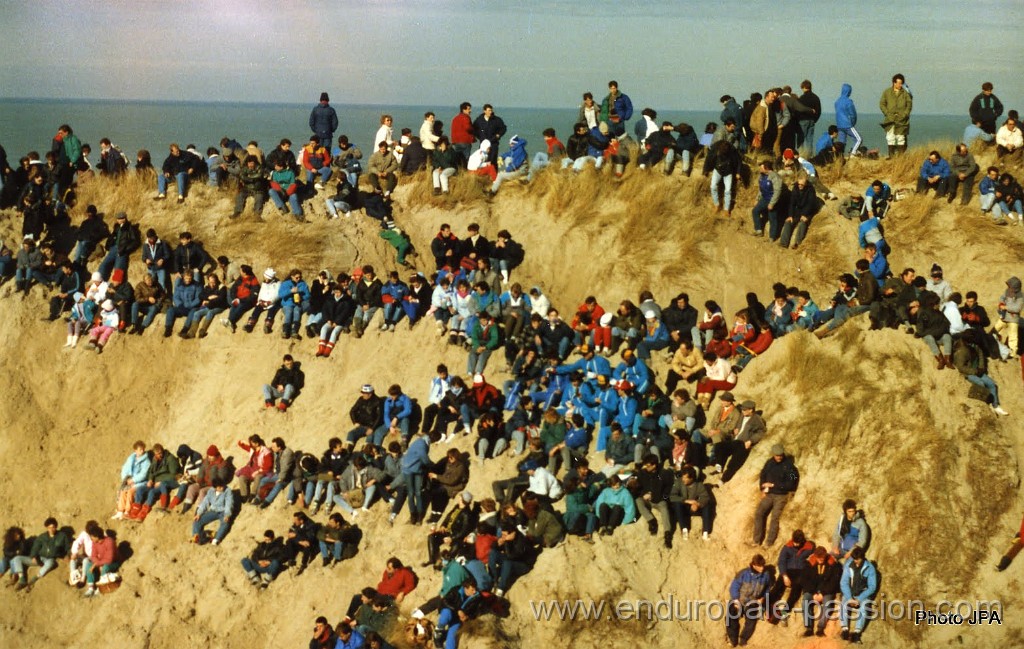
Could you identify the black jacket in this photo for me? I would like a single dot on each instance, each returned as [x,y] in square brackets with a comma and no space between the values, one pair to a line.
[813,102]
[367,412]
[658,484]
[576,147]
[294,376]
[93,230]
[338,311]
[489,129]
[125,238]
[676,319]
[783,475]
[191,256]
[369,294]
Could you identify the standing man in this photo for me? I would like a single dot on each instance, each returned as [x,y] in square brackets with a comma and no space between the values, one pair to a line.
[986,108]
[896,104]
[427,137]
[805,136]
[462,132]
[779,479]
[490,127]
[323,121]
[616,109]
[846,120]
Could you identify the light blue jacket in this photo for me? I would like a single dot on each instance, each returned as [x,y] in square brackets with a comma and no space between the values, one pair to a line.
[136,468]
[219,503]
[870,576]
[620,497]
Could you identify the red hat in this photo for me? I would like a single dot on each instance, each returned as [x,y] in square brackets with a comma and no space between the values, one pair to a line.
[788,154]
[624,385]
[213,451]
[118,275]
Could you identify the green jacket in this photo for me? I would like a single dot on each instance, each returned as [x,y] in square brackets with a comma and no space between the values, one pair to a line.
[552,434]
[166,470]
[447,159]
[488,337]
[896,109]
[380,621]
[546,529]
[579,502]
[50,547]
[73,149]
[452,576]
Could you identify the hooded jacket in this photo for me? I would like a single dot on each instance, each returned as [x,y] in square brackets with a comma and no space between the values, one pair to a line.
[850,534]
[516,156]
[846,112]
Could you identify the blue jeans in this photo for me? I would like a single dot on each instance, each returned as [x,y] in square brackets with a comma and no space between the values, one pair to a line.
[414,483]
[293,312]
[476,363]
[393,312]
[206,313]
[805,136]
[206,519]
[727,188]
[324,174]
[333,206]
[844,615]
[111,261]
[540,160]
[329,549]
[180,178]
[986,382]
[82,251]
[148,495]
[251,567]
[176,312]
[150,309]
[293,202]
[760,212]
[270,393]
[271,480]
[644,349]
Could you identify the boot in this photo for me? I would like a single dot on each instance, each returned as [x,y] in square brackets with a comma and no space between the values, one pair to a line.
[74,342]
[286,331]
[310,331]
[68,343]
[889,151]
[1004,563]
[167,332]
[174,502]
[268,327]
[133,513]
[203,327]
[192,331]
[949,363]
[941,361]
[321,348]
[143,513]
[328,349]
[163,501]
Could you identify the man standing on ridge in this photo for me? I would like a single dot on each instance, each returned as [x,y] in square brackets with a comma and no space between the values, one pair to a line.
[616,109]
[896,104]
[986,108]
[490,127]
[323,121]
[462,132]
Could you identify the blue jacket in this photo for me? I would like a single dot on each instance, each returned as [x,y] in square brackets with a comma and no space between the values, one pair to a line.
[417,458]
[355,641]
[506,298]
[620,497]
[876,203]
[323,120]
[516,155]
[879,267]
[187,296]
[400,407]
[749,585]
[136,468]
[824,142]
[626,412]
[987,186]
[218,503]
[866,227]
[397,290]
[637,374]
[940,168]
[597,142]
[732,109]
[660,334]
[870,576]
[156,252]
[846,112]
[598,365]
[287,285]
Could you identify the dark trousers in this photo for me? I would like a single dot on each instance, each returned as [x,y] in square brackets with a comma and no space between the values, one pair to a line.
[776,611]
[737,453]
[59,304]
[610,515]
[684,516]
[968,184]
[940,187]
[749,613]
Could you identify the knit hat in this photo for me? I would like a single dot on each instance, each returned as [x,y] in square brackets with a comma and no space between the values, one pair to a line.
[936,270]
[96,276]
[121,215]
[270,273]
[366,389]
[466,496]
[478,379]
[778,449]
[213,451]
[108,305]
[324,97]
[117,276]
[788,154]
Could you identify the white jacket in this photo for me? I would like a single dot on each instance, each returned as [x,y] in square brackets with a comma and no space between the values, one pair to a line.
[427,137]
[269,292]
[1006,137]
[543,483]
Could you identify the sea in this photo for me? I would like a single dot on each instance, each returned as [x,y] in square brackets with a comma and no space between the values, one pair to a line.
[30,124]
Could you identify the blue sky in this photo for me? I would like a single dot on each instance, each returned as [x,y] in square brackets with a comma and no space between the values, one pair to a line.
[668,55]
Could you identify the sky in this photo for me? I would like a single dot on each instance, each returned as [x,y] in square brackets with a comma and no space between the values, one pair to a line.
[667,55]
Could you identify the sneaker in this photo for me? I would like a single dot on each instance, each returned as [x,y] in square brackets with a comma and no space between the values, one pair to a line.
[90,592]
[499,592]
[705,537]
[808,633]
[159,197]
[855,638]
[181,199]
[685,533]
[758,233]
[318,186]
[254,580]
[844,634]
[999,411]
[117,516]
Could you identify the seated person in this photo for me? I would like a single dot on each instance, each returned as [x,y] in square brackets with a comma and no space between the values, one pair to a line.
[934,175]
[287,381]
[217,505]
[264,562]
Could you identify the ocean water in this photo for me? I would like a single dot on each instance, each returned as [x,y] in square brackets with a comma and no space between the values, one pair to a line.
[29,124]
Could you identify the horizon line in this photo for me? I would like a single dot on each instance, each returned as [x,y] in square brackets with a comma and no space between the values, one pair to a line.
[213,102]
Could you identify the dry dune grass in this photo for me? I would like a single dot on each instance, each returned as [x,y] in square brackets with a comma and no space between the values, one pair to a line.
[866,415]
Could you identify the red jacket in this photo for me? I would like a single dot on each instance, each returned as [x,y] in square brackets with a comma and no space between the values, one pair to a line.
[262,460]
[484,396]
[462,129]
[104,552]
[246,286]
[595,316]
[483,545]
[763,342]
[402,581]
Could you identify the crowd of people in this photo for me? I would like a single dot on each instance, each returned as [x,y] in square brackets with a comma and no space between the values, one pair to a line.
[659,451]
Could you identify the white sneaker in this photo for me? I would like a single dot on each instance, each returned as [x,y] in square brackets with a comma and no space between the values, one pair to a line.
[499,592]
[363,509]
[216,542]
[347,214]
[355,514]
[117,516]
[318,186]
[417,614]
[705,537]
[999,411]
[686,534]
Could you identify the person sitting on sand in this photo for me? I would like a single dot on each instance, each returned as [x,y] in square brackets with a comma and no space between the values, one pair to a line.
[161,478]
[100,334]
[264,562]
[267,299]
[133,475]
[217,505]
[382,167]
[479,163]
[284,187]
